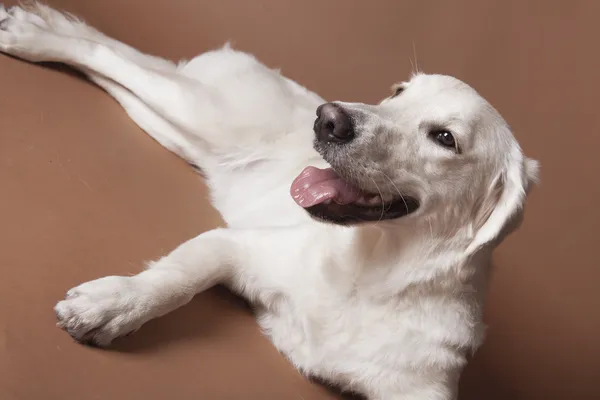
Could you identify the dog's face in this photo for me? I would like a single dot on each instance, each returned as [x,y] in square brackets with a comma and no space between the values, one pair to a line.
[434,147]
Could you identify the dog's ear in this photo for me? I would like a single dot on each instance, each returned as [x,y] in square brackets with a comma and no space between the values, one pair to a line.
[500,210]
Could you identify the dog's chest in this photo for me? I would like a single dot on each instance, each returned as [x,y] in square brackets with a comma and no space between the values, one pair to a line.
[340,341]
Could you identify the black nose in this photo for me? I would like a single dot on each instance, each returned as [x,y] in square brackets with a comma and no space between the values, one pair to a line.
[333,124]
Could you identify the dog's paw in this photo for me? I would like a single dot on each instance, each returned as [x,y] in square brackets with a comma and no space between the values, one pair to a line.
[23,34]
[99,311]
[15,19]
[20,14]
[16,31]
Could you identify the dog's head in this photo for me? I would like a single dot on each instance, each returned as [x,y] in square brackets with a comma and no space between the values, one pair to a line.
[434,149]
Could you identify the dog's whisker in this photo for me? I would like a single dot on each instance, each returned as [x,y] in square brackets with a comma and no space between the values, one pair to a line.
[412,65]
[395,187]
[416,66]
[382,200]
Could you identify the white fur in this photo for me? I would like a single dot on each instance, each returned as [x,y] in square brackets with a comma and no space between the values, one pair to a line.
[387,309]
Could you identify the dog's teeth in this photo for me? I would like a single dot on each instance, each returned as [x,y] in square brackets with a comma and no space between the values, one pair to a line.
[375,200]
[327,202]
[387,198]
[361,200]
[369,200]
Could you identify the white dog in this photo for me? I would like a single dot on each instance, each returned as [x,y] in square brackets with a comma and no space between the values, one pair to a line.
[364,245]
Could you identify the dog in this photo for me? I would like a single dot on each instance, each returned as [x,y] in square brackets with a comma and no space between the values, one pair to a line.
[363,236]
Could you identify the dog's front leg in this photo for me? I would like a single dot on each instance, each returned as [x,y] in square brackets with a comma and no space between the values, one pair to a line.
[99,311]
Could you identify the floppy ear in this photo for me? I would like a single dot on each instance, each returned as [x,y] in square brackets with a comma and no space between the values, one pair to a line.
[501,209]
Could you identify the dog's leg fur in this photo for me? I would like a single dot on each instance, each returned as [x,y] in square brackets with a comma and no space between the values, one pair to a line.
[97,312]
[192,108]
[69,25]
[152,123]
[171,95]
[42,19]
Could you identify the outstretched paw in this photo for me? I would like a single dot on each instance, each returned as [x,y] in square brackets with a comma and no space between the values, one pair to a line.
[20,32]
[99,311]
[21,14]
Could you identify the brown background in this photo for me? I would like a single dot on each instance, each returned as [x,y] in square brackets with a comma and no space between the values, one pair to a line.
[84,193]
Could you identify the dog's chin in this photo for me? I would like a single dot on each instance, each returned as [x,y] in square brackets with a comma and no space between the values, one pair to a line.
[354,214]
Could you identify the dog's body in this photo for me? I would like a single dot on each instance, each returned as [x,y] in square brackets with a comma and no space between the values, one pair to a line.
[386,298]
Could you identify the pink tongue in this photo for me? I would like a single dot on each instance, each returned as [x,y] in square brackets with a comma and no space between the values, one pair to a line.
[314,186]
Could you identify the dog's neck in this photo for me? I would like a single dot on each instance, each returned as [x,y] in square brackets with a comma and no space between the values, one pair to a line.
[399,257]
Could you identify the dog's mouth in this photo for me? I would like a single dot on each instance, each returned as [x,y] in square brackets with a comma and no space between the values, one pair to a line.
[328,197]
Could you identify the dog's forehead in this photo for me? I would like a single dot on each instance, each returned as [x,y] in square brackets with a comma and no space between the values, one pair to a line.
[438,82]
[445,96]
[443,88]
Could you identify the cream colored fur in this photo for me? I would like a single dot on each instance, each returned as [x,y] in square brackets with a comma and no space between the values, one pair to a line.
[388,309]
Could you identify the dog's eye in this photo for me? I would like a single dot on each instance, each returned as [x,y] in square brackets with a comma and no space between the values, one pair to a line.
[444,138]
[398,90]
